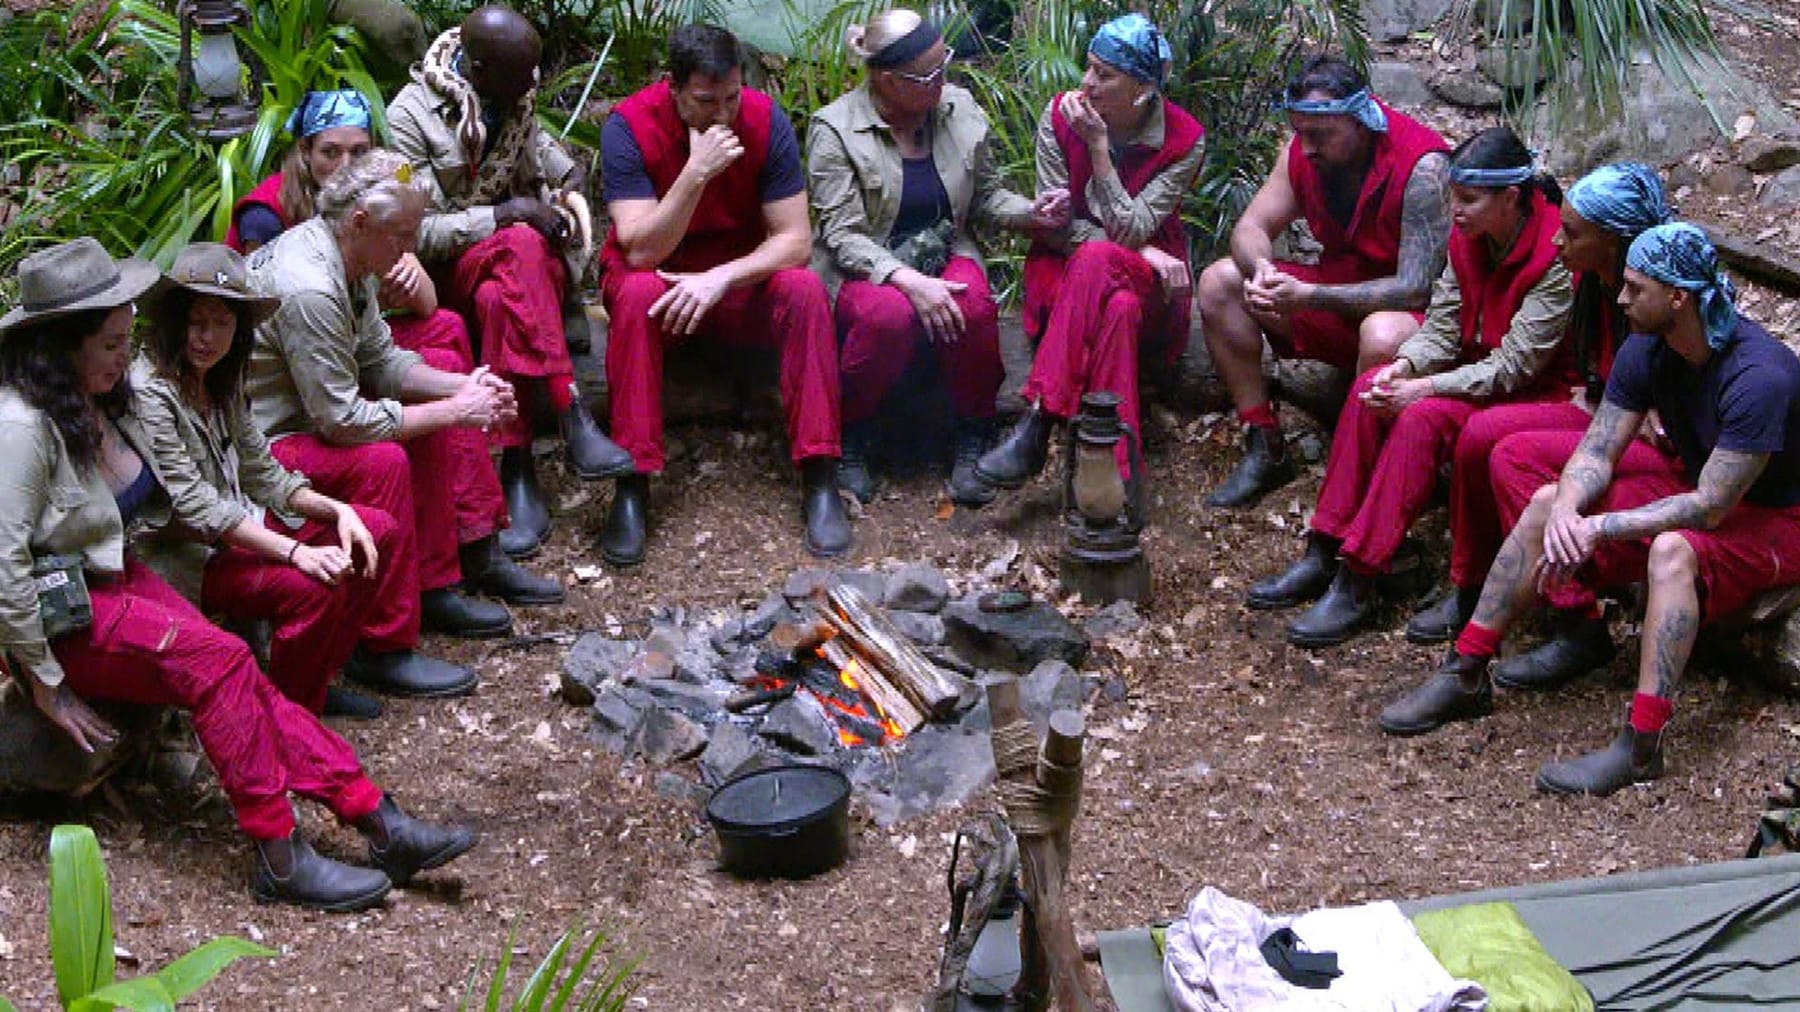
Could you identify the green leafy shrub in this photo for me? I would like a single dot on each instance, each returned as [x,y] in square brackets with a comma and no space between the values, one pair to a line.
[81,939]
[586,986]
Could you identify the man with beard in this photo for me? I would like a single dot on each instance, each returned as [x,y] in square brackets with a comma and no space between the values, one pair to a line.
[1371,184]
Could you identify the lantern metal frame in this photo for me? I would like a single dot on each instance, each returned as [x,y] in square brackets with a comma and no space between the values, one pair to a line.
[211,119]
[1103,558]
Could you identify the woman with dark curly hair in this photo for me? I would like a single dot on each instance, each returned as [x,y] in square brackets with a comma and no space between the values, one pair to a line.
[250,539]
[81,618]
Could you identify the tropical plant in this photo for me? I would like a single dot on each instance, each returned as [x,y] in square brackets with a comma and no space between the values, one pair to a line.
[81,939]
[586,986]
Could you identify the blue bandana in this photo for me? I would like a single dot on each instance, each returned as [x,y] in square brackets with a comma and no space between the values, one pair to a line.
[323,110]
[1132,44]
[1679,254]
[1492,179]
[1625,198]
[1360,106]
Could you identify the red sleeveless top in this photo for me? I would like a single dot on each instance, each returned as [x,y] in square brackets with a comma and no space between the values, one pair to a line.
[1370,242]
[1493,292]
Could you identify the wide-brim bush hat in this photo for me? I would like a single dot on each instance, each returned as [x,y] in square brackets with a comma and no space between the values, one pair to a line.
[76,276]
[211,268]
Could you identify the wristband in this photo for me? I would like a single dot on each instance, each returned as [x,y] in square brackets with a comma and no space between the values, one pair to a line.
[291,550]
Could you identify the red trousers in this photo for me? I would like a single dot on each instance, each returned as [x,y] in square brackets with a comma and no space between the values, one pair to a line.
[148,645]
[511,286]
[1756,548]
[1475,524]
[317,626]
[1318,334]
[790,311]
[443,341]
[1107,301]
[879,333]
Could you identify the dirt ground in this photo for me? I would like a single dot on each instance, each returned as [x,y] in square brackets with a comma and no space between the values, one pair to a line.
[1235,761]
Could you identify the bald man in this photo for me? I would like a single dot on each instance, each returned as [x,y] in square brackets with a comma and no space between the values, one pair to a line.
[468,124]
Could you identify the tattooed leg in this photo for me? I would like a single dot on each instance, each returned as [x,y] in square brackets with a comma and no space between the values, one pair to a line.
[1512,581]
[1672,616]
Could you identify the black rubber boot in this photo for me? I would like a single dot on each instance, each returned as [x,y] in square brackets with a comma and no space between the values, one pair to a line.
[1021,454]
[590,453]
[855,470]
[1632,758]
[449,612]
[403,846]
[525,504]
[1300,582]
[290,871]
[1441,620]
[1347,605]
[350,704]
[822,509]
[624,537]
[1265,467]
[1446,697]
[408,675]
[968,441]
[1580,645]
[488,570]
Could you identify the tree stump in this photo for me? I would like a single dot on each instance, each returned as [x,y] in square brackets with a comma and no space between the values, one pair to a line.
[36,756]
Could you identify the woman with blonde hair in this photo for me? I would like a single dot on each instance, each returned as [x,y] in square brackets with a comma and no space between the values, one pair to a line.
[901,178]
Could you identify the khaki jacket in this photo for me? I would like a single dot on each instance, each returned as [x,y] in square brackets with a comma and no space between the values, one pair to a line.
[50,507]
[324,347]
[217,471]
[854,177]
[419,120]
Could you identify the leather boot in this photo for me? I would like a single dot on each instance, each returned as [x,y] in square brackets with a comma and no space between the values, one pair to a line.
[309,879]
[1334,618]
[446,611]
[1444,618]
[408,675]
[1580,645]
[1632,758]
[855,474]
[590,453]
[1446,697]
[347,703]
[1021,454]
[403,846]
[488,570]
[968,441]
[624,537]
[1302,581]
[525,504]
[822,509]
[1265,467]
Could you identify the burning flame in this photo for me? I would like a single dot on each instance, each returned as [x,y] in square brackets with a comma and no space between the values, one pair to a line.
[890,729]
[849,710]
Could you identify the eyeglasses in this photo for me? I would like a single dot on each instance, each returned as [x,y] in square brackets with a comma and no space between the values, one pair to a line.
[927,80]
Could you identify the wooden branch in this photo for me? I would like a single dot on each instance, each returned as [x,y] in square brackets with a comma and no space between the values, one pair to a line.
[1759,260]
[932,690]
[800,638]
[886,697]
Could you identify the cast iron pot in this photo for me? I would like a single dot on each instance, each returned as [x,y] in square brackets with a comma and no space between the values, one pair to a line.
[783,822]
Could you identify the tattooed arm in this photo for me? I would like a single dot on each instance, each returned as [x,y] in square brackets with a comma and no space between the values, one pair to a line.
[1424,235]
[1724,480]
[1569,537]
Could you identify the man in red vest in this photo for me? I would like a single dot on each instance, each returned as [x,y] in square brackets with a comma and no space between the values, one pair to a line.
[1371,184]
[710,236]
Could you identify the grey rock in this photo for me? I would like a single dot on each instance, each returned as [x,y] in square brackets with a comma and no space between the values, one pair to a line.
[916,587]
[618,713]
[925,630]
[937,768]
[729,751]
[592,661]
[774,609]
[396,35]
[800,725]
[1051,686]
[1728,180]
[727,637]
[1764,155]
[37,756]
[1514,66]
[1467,88]
[1311,448]
[1115,619]
[1391,20]
[696,660]
[1399,84]
[801,584]
[1015,641]
[698,701]
[1784,188]
[739,666]
[667,736]
[676,787]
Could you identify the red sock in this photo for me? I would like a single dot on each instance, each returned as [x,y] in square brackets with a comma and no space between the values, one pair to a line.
[561,390]
[1593,610]
[1263,414]
[1477,640]
[1650,714]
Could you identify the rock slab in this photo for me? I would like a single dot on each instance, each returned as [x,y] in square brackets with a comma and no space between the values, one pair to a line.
[1016,640]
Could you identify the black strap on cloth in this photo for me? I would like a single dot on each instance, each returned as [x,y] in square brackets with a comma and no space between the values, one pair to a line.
[1298,967]
[907,47]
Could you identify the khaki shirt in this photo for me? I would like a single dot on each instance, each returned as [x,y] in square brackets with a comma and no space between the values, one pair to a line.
[419,118]
[1116,214]
[855,174]
[48,506]
[1524,353]
[324,347]
[217,471]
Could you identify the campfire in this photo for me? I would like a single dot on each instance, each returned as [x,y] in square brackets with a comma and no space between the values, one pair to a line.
[876,687]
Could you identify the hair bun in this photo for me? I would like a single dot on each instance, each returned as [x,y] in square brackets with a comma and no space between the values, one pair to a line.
[853,40]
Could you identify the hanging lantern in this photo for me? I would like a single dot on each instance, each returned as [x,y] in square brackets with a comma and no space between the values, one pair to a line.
[1103,510]
[212,79]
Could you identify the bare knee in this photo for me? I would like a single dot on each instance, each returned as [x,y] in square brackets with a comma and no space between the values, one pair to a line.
[1672,561]
[1380,336]
[1221,287]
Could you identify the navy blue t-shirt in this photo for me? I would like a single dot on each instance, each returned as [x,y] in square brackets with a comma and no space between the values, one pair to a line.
[1745,399]
[622,162]
[923,200]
